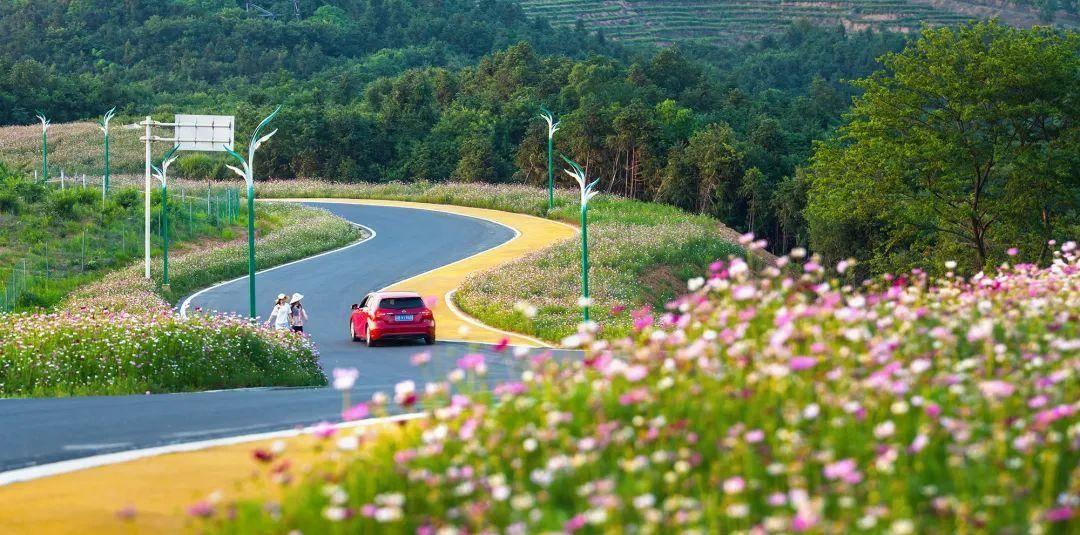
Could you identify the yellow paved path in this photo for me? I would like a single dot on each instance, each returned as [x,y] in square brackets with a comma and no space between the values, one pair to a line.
[159,489]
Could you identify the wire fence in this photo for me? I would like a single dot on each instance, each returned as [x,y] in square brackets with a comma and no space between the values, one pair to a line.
[39,274]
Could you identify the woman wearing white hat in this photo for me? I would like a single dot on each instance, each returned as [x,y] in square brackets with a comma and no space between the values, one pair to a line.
[279,317]
[297,314]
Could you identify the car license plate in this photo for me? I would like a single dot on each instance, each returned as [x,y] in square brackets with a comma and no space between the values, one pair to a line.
[403,317]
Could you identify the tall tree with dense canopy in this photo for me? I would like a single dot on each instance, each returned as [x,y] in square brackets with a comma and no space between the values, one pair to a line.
[965,145]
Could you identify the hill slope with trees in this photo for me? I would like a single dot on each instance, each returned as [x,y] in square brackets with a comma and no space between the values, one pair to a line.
[724,21]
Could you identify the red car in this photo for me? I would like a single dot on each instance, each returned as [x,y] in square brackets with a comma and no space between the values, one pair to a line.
[385,315]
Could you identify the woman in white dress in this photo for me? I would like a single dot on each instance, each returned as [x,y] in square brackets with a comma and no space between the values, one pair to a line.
[279,317]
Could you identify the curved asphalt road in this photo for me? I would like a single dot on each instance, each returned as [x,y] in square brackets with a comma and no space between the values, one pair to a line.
[407,242]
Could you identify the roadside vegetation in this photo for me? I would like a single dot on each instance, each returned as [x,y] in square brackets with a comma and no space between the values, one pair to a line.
[790,399]
[641,253]
[54,239]
[120,335]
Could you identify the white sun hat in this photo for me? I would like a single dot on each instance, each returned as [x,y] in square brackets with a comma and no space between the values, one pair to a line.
[281,296]
[296,297]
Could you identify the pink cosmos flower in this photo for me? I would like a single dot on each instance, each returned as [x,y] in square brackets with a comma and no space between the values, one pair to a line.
[933,410]
[502,345]
[734,485]
[996,389]
[797,364]
[574,524]
[803,522]
[744,292]
[404,456]
[635,373]
[405,393]
[1044,418]
[754,436]
[514,388]
[1012,251]
[323,430]
[356,412]
[345,378]
[471,361]
[635,396]
[201,509]
[845,469]
[262,455]
[642,318]
[1058,514]
[919,443]
[421,358]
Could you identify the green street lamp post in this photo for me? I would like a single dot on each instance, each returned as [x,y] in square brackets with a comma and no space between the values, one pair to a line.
[587,193]
[44,146]
[247,170]
[161,173]
[103,124]
[553,126]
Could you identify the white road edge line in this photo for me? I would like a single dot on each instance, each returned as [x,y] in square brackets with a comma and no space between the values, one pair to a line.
[448,297]
[63,467]
[371,235]
[95,461]
[469,319]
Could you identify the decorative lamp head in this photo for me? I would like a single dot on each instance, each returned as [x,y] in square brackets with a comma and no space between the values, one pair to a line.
[44,122]
[103,124]
[587,188]
[553,125]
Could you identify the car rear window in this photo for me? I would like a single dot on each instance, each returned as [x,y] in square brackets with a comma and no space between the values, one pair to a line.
[401,303]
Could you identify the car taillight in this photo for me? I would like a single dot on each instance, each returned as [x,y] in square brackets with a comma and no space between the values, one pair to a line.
[426,314]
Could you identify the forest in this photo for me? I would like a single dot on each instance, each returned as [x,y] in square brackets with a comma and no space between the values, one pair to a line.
[382,90]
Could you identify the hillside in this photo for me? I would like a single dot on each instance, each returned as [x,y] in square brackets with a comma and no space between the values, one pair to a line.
[718,21]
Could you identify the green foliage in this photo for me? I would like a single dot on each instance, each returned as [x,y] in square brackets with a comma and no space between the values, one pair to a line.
[413,90]
[53,240]
[641,253]
[967,144]
[714,22]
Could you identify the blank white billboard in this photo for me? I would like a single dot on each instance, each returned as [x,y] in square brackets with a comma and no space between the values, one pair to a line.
[206,133]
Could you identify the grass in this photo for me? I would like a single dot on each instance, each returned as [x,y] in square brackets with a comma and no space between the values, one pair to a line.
[641,253]
[119,335]
[788,400]
[54,240]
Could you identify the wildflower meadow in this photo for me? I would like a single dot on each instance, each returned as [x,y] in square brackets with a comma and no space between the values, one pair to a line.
[642,252]
[785,399]
[121,335]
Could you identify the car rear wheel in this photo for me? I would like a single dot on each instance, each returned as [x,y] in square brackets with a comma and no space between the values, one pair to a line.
[429,340]
[368,339]
[352,333]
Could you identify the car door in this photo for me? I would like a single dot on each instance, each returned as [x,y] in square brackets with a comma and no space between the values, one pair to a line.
[360,321]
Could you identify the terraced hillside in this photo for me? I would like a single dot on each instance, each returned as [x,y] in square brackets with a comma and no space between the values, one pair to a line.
[667,21]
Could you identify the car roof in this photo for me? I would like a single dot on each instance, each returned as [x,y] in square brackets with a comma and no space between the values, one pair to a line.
[394,294]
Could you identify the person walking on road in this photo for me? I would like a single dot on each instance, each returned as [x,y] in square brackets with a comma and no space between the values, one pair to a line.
[279,317]
[297,314]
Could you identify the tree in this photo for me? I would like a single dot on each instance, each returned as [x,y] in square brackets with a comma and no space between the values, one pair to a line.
[754,189]
[718,165]
[966,141]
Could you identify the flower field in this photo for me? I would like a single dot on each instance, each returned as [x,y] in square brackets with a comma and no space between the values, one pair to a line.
[120,335]
[99,351]
[640,252]
[779,400]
